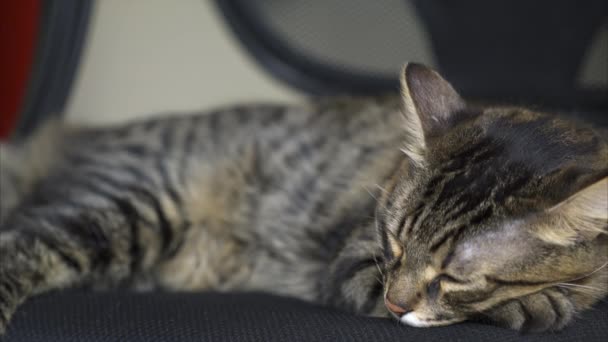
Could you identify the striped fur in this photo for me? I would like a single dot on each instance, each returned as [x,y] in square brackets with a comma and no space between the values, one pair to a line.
[317,202]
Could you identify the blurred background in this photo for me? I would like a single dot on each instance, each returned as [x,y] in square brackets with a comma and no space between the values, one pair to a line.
[108,61]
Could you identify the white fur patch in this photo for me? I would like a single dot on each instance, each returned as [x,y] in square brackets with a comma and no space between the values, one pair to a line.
[413,320]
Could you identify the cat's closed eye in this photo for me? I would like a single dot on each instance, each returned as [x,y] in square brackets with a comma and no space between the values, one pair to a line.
[434,287]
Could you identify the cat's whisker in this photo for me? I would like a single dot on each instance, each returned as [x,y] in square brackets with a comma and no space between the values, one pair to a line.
[477,311]
[378,265]
[583,291]
[370,193]
[381,188]
[578,285]
[378,202]
[590,274]
[581,288]
[379,269]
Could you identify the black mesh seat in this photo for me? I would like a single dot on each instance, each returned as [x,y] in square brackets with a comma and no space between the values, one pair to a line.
[256,317]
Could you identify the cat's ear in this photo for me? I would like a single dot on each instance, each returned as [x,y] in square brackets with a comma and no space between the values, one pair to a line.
[581,217]
[430,106]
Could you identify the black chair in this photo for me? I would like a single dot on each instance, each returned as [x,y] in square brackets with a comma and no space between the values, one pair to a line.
[543,53]
[529,52]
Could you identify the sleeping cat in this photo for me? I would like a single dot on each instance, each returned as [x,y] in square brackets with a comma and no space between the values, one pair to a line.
[420,207]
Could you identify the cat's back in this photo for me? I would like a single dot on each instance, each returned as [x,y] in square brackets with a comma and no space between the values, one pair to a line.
[357,119]
[289,182]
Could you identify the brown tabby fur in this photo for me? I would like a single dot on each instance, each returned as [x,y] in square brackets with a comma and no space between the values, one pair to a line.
[443,211]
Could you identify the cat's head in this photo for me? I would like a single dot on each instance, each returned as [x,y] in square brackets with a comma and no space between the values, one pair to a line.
[490,204]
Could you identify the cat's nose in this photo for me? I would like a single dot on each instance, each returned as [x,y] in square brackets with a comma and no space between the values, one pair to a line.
[394,308]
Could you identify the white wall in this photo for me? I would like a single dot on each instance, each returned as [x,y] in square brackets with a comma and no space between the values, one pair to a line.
[147,56]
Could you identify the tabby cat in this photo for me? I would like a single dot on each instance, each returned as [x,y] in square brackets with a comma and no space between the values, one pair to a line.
[420,207]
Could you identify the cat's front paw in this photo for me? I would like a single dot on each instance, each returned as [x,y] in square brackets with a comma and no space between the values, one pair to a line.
[8,305]
[548,310]
[14,288]
[10,298]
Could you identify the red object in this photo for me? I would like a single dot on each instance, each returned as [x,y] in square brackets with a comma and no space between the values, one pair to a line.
[18,32]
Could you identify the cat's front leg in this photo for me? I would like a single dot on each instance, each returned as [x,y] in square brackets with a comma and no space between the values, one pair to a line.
[35,260]
[23,265]
[73,231]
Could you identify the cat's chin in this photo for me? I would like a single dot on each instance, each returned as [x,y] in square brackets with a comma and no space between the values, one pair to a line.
[413,320]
